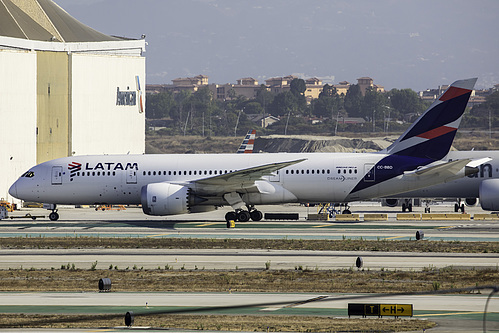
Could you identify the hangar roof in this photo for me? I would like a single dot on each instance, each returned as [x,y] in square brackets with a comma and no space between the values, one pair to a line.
[44,20]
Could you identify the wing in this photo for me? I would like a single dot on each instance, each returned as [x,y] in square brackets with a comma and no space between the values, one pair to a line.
[240,180]
[450,170]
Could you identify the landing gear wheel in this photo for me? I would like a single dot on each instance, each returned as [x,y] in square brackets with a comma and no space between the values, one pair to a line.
[409,208]
[53,216]
[231,216]
[403,208]
[243,216]
[347,211]
[256,215]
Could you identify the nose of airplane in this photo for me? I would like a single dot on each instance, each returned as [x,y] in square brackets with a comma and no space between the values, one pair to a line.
[13,190]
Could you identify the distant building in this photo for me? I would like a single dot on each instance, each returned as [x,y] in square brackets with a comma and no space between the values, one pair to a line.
[280,84]
[191,84]
[366,82]
[314,88]
[342,87]
[263,120]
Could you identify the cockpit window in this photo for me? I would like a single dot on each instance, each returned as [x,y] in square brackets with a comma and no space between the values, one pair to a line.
[28,174]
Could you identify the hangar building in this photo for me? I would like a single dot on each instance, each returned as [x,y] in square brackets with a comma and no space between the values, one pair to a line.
[66,89]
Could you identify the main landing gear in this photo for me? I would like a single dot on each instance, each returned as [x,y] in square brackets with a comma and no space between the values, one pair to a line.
[244,215]
[407,205]
[240,213]
[459,206]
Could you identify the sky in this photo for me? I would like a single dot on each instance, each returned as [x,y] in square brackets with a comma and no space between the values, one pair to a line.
[417,44]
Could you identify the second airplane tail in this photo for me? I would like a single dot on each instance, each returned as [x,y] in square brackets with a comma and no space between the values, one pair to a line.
[431,136]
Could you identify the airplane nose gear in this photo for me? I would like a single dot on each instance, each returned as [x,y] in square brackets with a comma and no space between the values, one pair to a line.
[54,216]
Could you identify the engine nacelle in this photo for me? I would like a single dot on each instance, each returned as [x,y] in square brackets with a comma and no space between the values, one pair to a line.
[489,194]
[391,202]
[165,199]
[471,202]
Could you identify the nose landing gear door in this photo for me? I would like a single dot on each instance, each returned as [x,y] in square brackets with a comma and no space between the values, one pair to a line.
[57,175]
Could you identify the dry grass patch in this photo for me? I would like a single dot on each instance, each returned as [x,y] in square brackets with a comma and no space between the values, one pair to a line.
[221,323]
[338,281]
[274,244]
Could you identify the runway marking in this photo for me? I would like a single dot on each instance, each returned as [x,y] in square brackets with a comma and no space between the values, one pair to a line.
[320,226]
[158,235]
[206,224]
[395,237]
[448,314]
[448,227]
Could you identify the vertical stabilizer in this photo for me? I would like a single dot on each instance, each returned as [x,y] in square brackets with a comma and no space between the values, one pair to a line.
[431,136]
[246,146]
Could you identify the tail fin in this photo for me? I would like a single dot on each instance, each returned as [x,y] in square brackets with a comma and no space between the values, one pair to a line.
[432,134]
[246,146]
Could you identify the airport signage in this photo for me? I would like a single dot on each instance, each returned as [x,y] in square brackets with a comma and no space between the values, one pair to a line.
[380,310]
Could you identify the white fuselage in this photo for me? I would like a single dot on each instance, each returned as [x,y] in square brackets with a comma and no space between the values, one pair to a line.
[118,179]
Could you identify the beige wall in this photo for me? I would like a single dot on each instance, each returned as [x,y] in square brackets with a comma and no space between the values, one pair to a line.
[53,100]
[18,116]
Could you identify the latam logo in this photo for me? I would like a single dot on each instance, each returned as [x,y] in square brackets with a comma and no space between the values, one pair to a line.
[107,166]
[73,168]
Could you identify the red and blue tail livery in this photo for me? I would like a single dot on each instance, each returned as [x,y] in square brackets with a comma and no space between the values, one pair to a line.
[427,140]
[431,136]
[246,146]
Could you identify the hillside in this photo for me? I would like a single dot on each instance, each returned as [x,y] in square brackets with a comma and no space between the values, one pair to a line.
[156,144]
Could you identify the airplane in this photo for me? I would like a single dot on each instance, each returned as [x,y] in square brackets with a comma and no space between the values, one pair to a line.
[173,184]
[481,187]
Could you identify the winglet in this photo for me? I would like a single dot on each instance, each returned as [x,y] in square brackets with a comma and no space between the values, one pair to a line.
[431,136]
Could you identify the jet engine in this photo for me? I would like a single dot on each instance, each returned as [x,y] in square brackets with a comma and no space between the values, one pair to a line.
[471,202]
[391,202]
[165,199]
[489,194]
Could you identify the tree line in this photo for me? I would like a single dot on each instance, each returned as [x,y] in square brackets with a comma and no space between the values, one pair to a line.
[199,113]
